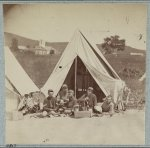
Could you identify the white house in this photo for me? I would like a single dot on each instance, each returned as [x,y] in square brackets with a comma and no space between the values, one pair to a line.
[42,49]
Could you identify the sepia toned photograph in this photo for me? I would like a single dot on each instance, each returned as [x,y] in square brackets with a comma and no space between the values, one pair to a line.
[75,73]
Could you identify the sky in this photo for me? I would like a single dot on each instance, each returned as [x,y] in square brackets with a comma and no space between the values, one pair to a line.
[56,22]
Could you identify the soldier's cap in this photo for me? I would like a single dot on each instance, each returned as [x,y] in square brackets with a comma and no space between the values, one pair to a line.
[90,88]
[50,90]
[70,91]
[64,86]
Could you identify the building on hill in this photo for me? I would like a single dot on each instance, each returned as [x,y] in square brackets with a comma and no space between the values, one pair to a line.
[23,48]
[136,54]
[42,43]
[42,49]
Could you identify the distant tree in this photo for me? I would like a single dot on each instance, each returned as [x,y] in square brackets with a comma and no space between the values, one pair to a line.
[14,44]
[113,44]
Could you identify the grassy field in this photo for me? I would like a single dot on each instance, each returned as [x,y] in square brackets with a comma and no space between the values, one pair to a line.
[136,64]
[38,66]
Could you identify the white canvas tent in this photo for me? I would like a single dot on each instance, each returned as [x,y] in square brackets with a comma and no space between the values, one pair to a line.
[17,82]
[101,71]
[9,87]
[12,97]
[17,75]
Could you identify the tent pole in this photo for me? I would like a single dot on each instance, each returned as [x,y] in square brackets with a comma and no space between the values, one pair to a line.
[75,87]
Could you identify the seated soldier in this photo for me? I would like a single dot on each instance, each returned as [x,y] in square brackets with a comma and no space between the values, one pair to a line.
[126,95]
[120,106]
[32,107]
[108,105]
[60,106]
[38,99]
[26,105]
[63,94]
[88,100]
[62,99]
[50,102]
[72,100]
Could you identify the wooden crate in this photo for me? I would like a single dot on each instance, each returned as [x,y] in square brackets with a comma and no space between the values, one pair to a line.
[82,114]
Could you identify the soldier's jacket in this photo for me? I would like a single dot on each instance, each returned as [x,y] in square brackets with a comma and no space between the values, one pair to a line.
[91,99]
[50,102]
[108,107]
[72,102]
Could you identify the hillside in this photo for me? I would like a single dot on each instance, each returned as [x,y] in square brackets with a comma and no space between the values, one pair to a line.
[127,50]
[25,41]
[21,40]
[39,67]
[57,45]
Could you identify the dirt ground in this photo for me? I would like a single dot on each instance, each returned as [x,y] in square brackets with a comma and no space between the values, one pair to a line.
[127,128]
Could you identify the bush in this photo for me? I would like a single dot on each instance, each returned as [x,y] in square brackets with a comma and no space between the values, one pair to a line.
[130,73]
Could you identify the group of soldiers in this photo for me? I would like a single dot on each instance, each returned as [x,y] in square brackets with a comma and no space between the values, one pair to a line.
[64,103]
